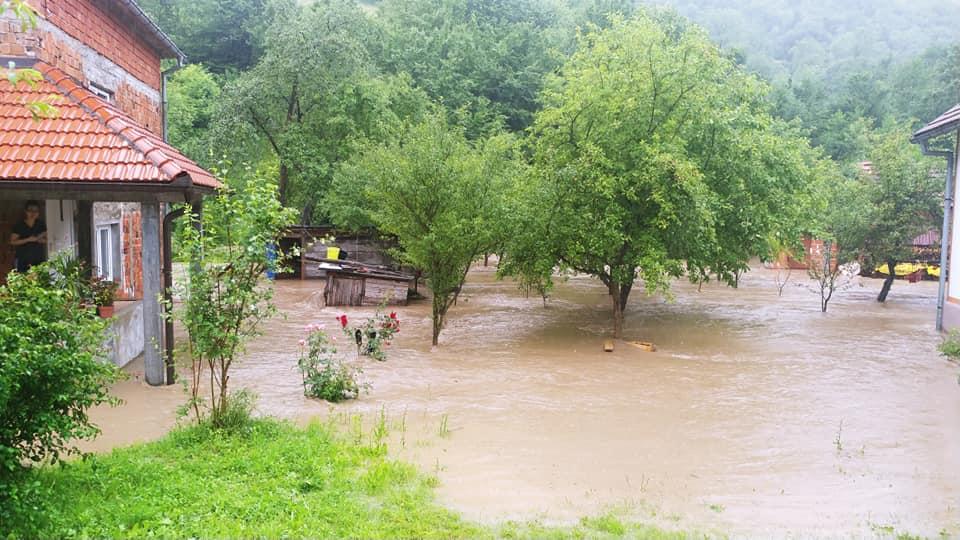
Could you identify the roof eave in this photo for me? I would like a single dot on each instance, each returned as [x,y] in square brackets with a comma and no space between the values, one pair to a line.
[168,46]
[939,131]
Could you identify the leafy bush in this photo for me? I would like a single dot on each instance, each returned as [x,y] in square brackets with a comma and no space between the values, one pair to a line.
[104,291]
[373,335]
[324,375]
[238,413]
[224,303]
[53,368]
[950,346]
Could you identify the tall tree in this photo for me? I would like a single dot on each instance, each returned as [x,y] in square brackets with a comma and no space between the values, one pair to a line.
[484,59]
[310,98]
[897,199]
[193,95]
[441,196]
[656,156]
[224,35]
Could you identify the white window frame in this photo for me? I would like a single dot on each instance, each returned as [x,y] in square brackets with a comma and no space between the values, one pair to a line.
[100,91]
[105,260]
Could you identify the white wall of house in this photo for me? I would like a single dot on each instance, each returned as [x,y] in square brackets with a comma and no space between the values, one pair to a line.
[61,233]
[953,285]
[951,308]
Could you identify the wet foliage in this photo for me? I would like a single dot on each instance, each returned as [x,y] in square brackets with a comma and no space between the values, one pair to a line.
[53,369]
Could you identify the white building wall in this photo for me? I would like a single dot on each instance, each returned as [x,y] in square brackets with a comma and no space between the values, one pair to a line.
[951,307]
[61,236]
[953,285]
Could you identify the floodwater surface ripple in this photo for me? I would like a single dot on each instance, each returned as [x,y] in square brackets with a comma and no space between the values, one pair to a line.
[757,416]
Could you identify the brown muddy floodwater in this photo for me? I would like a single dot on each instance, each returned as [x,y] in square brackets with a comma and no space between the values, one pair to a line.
[758,416]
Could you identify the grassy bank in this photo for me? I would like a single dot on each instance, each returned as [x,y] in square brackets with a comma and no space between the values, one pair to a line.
[270,480]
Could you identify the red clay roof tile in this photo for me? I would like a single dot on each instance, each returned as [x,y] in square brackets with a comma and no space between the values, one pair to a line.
[89,140]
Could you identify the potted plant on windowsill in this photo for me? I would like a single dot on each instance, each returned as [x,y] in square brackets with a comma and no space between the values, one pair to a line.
[104,292]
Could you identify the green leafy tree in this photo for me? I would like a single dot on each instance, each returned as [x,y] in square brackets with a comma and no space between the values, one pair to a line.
[310,99]
[225,303]
[53,369]
[224,35]
[897,200]
[193,95]
[656,156]
[485,60]
[438,194]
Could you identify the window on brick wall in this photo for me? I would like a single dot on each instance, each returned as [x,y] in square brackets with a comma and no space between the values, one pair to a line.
[100,91]
[108,252]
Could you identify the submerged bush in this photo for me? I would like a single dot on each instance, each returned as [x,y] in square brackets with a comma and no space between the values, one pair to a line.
[950,346]
[325,376]
[374,335]
[53,368]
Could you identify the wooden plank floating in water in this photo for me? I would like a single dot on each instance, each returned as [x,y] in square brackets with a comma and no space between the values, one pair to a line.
[608,345]
[644,345]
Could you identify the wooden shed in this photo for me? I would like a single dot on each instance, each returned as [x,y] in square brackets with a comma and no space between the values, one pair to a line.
[353,284]
[365,247]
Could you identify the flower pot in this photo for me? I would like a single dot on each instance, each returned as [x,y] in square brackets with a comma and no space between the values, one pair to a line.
[105,311]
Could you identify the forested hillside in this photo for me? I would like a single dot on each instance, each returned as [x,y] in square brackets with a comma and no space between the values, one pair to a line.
[824,39]
[292,87]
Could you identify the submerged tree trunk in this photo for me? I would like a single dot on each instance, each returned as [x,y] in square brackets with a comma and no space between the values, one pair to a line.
[619,295]
[439,312]
[887,283]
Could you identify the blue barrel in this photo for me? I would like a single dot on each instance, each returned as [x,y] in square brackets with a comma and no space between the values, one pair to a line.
[271,261]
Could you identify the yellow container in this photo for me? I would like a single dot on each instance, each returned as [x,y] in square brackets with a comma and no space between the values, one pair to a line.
[333,252]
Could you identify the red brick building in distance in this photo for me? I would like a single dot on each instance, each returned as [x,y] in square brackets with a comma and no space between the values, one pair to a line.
[100,167]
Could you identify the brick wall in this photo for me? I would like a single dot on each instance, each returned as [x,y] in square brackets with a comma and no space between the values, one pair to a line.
[86,41]
[14,41]
[141,108]
[92,23]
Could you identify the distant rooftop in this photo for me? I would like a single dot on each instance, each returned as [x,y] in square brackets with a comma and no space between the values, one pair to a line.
[945,123]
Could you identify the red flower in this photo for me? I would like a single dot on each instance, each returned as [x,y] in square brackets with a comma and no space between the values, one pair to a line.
[393,315]
[343,321]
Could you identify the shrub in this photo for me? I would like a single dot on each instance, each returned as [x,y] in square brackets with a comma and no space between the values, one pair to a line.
[104,292]
[53,368]
[238,413]
[950,346]
[374,334]
[225,303]
[324,375]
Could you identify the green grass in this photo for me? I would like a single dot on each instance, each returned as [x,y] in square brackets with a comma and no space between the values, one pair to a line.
[273,480]
[269,480]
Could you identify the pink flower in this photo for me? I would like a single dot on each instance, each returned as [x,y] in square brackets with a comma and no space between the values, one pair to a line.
[303,342]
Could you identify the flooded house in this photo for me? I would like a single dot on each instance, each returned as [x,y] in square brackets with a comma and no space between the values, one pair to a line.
[100,168]
[941,138]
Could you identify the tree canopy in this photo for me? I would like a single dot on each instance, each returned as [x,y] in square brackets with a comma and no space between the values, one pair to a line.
[440,195]
[656,156]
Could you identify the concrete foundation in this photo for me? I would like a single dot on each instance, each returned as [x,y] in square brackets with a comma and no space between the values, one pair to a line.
[951,316]
[126,332]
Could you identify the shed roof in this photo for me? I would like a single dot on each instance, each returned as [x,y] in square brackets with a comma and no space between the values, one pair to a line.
[89,141]
[945,123]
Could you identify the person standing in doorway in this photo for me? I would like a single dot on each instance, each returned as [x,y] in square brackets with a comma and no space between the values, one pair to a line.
[29,237]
